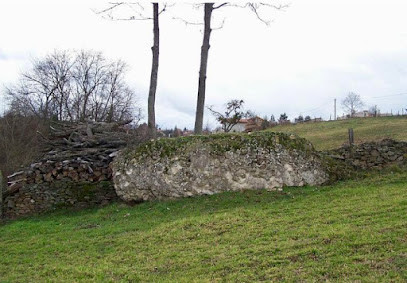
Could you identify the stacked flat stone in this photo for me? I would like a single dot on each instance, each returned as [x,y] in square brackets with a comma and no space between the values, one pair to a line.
[72,154]
[373,155]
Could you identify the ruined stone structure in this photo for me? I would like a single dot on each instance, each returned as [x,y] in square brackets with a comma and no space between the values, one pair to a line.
[79,172]
[201,165]
[373,155]
[47,196]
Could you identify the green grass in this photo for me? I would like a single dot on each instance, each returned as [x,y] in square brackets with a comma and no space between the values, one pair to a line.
[332,134]
[354,230]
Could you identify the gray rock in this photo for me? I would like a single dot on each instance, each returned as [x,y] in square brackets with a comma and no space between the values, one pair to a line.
[209,166]
[10,204]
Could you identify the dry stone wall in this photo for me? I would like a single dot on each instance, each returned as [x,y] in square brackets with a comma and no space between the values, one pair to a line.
[373,155]
[199,165]
[78,172]
[48,184]
[35,198]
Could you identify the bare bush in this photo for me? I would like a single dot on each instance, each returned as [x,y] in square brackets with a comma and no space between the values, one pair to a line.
[19,141]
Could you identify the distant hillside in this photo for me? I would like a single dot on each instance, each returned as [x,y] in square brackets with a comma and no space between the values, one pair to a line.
[332,134]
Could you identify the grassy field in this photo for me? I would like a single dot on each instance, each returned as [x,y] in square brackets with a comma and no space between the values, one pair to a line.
[332,134]
[354,230]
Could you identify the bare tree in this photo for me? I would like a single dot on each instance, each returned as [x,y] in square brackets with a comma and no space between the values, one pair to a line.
[60,65]
[352,103]
[232,115]
[117,100]
[35,91]
[208,9]
[89,73]
[73,86]
[139,14]
[44,90]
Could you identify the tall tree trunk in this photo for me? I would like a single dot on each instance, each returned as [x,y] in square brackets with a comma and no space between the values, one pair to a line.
[202,70]
[1,195]
[154,73]
[85,103]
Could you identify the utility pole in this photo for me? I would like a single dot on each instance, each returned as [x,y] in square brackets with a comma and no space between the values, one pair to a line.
[335,109]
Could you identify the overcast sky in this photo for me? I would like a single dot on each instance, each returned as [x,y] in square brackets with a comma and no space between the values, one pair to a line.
[313,52]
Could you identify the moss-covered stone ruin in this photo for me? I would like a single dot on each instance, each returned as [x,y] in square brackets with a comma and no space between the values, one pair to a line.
[198,165]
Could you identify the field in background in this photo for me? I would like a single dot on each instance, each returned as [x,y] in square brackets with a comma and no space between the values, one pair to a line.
[352,231]
[332,134]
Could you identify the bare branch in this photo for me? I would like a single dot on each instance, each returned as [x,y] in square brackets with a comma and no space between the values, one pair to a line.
[197,6]
[114,5]
[277,7]
[232,115]
[255,7]
[221,25]
[188,22]
[216,113]
[132,18]
[135,7]
[165,8]
[220,5]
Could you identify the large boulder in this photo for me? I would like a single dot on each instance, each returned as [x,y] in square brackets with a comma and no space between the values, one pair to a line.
[198,165]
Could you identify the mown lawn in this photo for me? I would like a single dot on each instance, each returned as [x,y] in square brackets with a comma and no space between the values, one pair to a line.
[355,230]
[332,134]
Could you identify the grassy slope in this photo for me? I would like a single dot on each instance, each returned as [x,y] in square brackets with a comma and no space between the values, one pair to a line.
[354,230]
[332,134]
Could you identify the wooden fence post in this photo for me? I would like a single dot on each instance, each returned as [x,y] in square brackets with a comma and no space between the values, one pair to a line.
[350,133]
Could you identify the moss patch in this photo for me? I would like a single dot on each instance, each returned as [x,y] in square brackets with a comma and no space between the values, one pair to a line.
[87,190]
[218,144]
[337,169]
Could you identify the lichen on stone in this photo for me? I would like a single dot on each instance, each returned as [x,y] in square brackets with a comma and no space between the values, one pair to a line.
[195,165]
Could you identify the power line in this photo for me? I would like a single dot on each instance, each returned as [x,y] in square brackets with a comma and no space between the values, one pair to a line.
[320,107]
[315,108]
[399,94]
